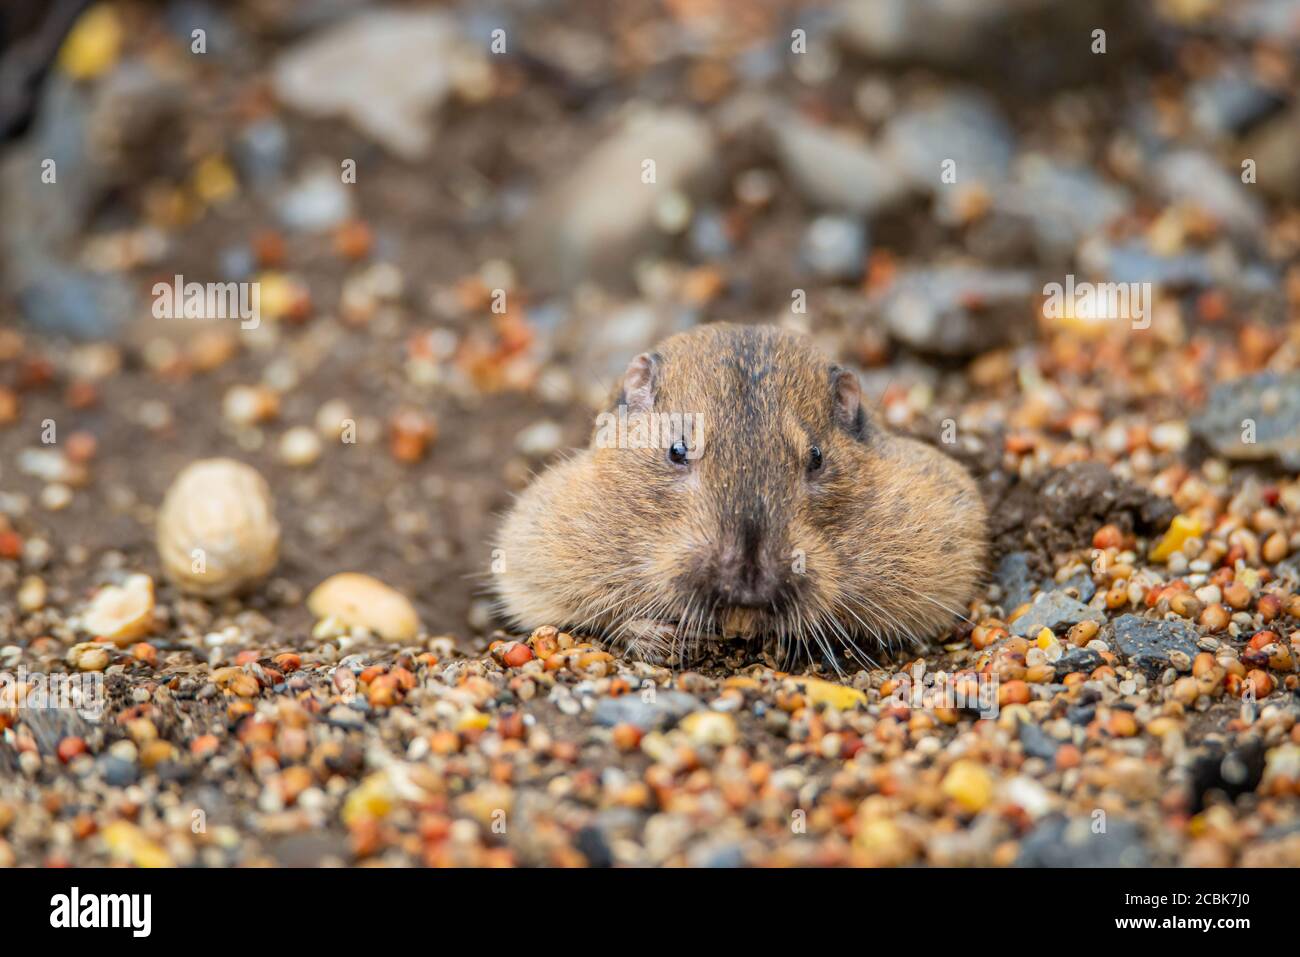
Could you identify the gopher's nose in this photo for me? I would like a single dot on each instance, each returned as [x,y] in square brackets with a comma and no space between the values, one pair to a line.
[747,575]
[733,595]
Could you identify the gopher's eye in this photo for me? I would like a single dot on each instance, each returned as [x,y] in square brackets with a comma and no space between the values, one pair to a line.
[677,453]
[814,459]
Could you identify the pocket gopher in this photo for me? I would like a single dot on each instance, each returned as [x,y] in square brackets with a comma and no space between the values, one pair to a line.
[737,487]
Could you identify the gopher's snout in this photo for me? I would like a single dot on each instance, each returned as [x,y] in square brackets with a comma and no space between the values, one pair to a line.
[747,570]
[750,582]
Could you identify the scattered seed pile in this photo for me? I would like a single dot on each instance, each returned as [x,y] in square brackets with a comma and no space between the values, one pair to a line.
[309,674]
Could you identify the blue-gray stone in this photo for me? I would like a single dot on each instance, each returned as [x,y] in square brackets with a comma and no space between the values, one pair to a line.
[930,309]
[1058,841]
[1078,659]
[963,127]
[1268,400]
[1054,610]
[117,772]
[835,247]
[665,709]
[1147,643]
[1037,742]
[63,300]
[1016,581]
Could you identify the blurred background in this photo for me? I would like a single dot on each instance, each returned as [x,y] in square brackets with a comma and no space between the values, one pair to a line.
[458,242]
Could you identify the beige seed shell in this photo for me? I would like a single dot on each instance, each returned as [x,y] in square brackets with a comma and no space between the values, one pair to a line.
[223,508]
[365,602]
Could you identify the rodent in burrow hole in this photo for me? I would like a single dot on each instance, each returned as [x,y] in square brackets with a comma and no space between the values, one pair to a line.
[763,500]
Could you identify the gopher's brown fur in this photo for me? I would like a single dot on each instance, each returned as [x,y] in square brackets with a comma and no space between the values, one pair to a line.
[876,540]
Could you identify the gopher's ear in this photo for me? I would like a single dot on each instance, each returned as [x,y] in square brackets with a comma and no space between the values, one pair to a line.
[640,382]
[846,398]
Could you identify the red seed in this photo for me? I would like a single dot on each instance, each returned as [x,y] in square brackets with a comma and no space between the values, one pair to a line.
[11,545]
[1108,536]
[1013,692]
[1269,607]
[517,654]
[353,240]
[1261,639]
[511,725]
[145,652]
[627,737]
[69,748]
[1261,682]
[1068,756]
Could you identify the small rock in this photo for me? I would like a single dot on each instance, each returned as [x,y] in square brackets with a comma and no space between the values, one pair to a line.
[1181,529]
[946,32]
[1229,102]
[118,773]
[60,299]
[1037,742]
[1148,643]
[1055,610]
[1027,794]
[1254,418]
[344,717]
[1058,841]
[261,151]
[709,237]
[1134,262]
[956,310]
[591,844]
[1081,714]
[834,170]
[128,843]
[724,855]
[1081,582]
[1084,660]
[1282,763]
[93,44]
[1016,581]
[32,594]
[316,202]
[598,217]
[385,71]
[1277,161]
[540,439]
[1061,203]
[662,711]
[963,127]
[1195,178]
[835,247]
